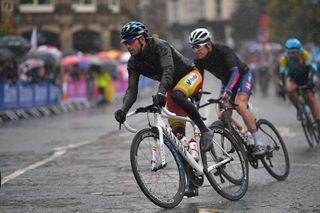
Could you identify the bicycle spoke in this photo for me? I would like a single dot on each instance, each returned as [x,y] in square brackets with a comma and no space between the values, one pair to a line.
[276,160]
[164,184]
[230,179]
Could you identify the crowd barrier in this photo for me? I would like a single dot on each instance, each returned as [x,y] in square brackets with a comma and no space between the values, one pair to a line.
[23,100]
[23,95]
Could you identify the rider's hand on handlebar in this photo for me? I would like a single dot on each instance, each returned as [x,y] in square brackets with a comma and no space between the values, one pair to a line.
[120,116]
[226,96]
[159,99]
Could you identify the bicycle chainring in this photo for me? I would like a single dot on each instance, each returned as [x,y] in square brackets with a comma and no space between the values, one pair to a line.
[254,163]
[197,180]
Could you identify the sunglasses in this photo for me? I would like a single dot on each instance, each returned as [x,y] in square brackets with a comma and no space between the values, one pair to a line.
[196,47]
[129,41]
[292,51]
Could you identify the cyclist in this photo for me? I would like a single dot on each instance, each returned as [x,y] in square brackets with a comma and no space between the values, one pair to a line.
[179,80]
[236,77]
[296,68]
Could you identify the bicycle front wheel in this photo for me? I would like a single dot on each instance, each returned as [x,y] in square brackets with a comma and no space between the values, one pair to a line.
[229,179]
[276,159]
[309,128]
[163,183]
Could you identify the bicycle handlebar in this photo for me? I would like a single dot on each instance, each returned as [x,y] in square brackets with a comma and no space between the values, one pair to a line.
[221,103]
[164,112]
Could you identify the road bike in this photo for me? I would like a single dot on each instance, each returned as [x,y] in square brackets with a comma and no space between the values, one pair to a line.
[308,123]
[276,158]
[161,163]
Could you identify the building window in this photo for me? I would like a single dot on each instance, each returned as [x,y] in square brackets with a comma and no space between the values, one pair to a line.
[84,6]
[218,8]
[36,2]
[36,6]
[114,5]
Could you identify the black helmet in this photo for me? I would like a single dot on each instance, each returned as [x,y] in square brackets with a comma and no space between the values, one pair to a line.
[133,29]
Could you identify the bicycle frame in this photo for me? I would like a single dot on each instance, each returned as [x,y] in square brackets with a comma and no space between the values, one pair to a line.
[164,129]
[302,100]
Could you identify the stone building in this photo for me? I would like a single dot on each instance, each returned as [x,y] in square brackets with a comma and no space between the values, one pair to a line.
[86,25]
[94,25]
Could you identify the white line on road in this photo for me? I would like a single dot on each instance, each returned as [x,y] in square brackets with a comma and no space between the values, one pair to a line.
[59,151]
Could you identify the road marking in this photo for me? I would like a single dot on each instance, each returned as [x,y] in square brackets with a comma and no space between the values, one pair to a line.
[58,151]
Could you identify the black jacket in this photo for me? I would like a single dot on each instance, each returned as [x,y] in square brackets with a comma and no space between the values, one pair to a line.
[220,62]
[158,61]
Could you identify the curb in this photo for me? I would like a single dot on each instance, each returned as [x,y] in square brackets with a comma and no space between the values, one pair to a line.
[38,112]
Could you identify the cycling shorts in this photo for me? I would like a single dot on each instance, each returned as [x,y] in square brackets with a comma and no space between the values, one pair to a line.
[189,85]
[244,86]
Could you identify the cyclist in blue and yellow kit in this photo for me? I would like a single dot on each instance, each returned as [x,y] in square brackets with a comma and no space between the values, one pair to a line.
[296,68]
[178,77]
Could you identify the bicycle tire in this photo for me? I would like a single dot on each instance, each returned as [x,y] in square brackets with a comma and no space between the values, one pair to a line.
[231,179]
[168,179]
[237,138]
[276,160]
[308,128]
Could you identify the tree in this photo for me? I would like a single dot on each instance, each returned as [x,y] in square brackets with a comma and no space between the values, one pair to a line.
[294,18]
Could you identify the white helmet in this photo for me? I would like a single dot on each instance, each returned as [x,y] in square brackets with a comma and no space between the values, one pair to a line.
[199,36]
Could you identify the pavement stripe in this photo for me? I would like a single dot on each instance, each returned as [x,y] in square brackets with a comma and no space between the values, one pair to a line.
[59,151]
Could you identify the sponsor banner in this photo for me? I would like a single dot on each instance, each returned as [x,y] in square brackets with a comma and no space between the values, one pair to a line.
[8,96]
[76,91]
[26,95]
[23,95]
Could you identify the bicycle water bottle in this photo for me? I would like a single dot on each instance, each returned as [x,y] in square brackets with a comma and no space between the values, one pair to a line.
[193,149]
[308,110]
[183,140]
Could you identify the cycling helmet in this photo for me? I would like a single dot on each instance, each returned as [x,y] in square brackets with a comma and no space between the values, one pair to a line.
[133,29]
[199,36]
[293,43]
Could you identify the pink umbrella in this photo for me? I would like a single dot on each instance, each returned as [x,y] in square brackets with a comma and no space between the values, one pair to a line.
[70,60]
[109,55]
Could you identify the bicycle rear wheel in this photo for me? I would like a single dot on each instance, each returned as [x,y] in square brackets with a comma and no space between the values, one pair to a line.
[165,184]
[231,179]
[276,159]
[309,128]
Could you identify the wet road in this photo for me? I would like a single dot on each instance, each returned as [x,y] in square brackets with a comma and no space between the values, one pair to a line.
[79,162]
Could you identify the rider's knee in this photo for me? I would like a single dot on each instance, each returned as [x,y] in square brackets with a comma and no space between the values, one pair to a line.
[242,107]
[177,95]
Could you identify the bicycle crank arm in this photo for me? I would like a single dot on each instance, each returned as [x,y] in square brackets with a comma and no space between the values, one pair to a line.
[219,164]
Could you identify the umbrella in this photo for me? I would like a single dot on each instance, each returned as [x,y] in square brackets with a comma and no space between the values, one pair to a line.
[51,50]
[48,59]
[109,55]
[32,63]
[109,66]
[70,60]
[17,44]
[124,58]
[93,60]
[5,55]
